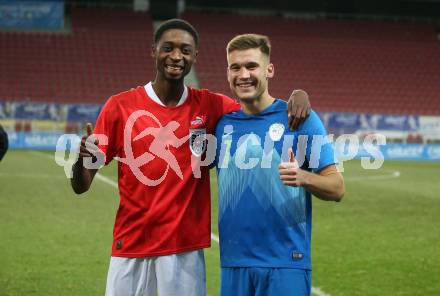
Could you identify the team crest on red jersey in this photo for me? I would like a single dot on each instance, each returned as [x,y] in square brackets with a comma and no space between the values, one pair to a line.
[197,141]
[197,135]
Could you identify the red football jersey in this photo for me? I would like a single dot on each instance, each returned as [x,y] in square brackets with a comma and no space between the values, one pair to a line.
[164,208]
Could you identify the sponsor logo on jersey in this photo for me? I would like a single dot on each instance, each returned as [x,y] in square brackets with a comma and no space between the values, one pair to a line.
[297,255]
[198,121]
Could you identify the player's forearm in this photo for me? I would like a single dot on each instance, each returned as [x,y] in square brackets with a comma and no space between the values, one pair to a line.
[81,178]
[330,187]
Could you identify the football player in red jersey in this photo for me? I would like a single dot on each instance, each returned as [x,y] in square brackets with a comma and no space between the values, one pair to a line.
[157,132]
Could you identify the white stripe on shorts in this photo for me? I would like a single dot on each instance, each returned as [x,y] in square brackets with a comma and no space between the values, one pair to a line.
[172,275]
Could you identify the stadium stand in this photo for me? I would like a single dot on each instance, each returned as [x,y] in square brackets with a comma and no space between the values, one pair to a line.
[108,51]
[345,65]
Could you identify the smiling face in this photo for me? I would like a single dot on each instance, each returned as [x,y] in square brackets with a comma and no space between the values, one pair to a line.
[248,73]
[174,53]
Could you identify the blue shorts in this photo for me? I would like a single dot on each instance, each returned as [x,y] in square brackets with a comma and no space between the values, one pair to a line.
[257,281]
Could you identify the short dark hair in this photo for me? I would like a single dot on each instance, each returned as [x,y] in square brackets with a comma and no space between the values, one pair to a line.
[176,24]
[249,41]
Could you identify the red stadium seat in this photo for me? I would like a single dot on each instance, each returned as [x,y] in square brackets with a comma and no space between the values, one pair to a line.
[345,65]
[86,65]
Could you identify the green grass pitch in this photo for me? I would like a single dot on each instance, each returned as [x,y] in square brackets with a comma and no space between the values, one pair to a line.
[382,239]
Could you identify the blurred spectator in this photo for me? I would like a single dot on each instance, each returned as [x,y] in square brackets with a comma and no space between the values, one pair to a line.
[3,142]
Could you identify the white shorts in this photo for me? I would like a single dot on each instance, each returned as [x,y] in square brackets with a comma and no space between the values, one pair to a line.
[172,275]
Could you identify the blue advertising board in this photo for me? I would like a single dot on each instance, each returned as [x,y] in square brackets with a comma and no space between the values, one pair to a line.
[33,140]
[350,122]
[36,111]
[32,14]
[411,152]
[424,152]
[3,113]
[83,112]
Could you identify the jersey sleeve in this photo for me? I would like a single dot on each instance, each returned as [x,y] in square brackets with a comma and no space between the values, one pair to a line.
[319,152]
[107,126]
[224,104]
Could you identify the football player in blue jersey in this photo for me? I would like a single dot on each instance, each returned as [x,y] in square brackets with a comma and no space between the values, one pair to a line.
[265,203]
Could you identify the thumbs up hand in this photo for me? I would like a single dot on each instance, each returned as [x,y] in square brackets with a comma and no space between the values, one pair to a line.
[290,173]
[87,164]
[89,129]
[87,150]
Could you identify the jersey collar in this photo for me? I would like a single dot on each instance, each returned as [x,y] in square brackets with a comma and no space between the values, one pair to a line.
[153,96]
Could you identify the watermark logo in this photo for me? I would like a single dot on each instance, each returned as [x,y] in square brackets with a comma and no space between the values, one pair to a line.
[163,138]
[163,141]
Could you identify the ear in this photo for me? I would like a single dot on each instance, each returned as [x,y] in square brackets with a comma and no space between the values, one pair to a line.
[270,70]
[153,50]
[195,56]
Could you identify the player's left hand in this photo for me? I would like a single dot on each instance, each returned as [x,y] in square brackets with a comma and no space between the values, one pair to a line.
[290,172]
[298,108]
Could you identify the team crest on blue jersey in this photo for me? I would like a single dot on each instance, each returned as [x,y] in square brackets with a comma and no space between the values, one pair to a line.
[197,141]
[276,131]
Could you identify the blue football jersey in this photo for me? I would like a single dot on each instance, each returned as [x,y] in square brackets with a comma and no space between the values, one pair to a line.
[262,222]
